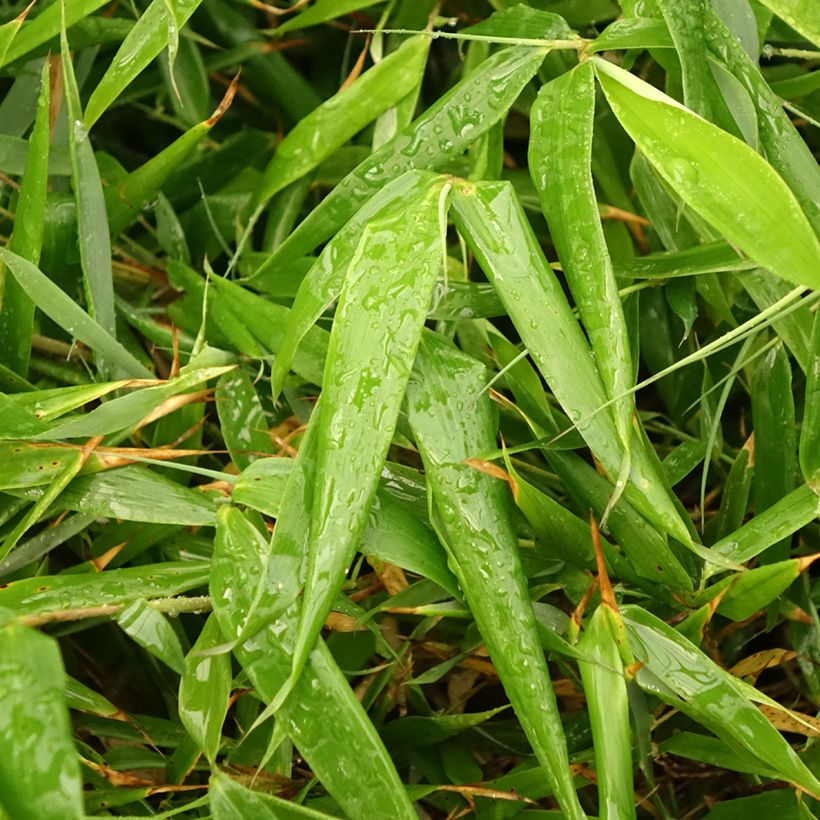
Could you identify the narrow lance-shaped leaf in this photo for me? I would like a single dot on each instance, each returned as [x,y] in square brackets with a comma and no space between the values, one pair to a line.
[44,594]
[321,132]
[744,594]
[645,548]
[46,25]
[721,178]
[41,506]
[151,630]
[712,695]
[394,534]
[490,217]
[810,430]
[452,420]
[606,694]
[441,133]
[39,771]
[92,220]
[685,21]
[787,516]
[231,801]
[62,309]
[267,322]
[149,36]
[8,31]
[321,11]
[323,282]
[204,690]
[802,15]
[243,421]
[17,314]
[273,590]
[132,408]
[335,750]
[775,441]
[780,141]
[378,323]
[560,156]
[125,200]
[134,493]
[633,32]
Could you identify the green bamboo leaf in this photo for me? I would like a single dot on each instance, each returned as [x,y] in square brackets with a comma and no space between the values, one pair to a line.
[560,157]
[11,381]
[230,801]
[633,32]
[810,429]
[45,594]
[46,25]
[269,323]
[715,752]
[40,507]
[795,328]
[128,410]
[270,591]
[782,803]
[50,404]
[39,771]
[715,696]
[243,421]
[775,441]
[125,201]
[717,175]
[153,632]
[378,323]
[261,485]
[137,494]
[59,307]
[92,220]
[394,533]
[15,421]
[562,534]
[780,141]
[323,282]
[8,31]
[685,22]
[734,500]
[521,22]
[153,32]
[608,703]
[318,135]
[441,133]
[750,591]
[334,750]
[452,420]
[17,314]
[787,516]
[711,257]
[489,215]
[802,15]
[204,690]
[44,541]
[84,699]
[321,12]
[170,233]
[650,558]
[414,732]
[187,76]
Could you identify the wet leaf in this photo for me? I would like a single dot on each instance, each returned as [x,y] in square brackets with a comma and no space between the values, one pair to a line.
[39,770]
[204,690]
[746,204]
